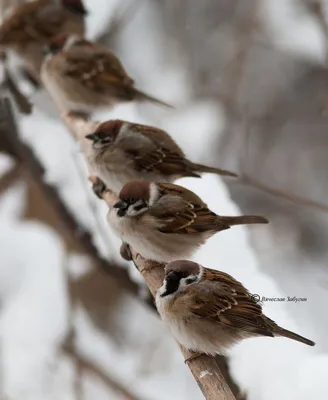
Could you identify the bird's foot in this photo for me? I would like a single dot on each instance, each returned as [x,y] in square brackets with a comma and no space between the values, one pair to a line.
[98,186]
[125,252]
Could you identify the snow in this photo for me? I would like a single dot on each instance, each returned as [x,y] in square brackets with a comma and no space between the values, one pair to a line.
[137,350]
[34,316]
[204,373]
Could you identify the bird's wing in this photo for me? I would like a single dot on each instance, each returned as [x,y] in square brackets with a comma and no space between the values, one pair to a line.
[33,21]
[99,69]
[228,305]
[163,156]
[182,211]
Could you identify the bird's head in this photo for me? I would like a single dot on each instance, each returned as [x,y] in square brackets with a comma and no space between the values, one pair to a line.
[136,197]
[180,274]
[106,134]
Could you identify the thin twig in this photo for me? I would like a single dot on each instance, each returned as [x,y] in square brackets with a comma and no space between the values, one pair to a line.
[84,365]
[249,181]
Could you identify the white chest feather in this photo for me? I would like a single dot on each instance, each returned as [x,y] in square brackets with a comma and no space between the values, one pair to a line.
[193,333]
[185,333]
[144,237]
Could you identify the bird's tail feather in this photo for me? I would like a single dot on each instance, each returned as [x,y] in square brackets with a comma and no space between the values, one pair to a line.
[243,219]
[213,170]
[291,335]
[144,96]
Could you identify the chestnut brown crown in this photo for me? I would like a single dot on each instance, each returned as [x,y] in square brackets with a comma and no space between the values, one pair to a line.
[183,267]
[105,134]
[110,128]
[137,190]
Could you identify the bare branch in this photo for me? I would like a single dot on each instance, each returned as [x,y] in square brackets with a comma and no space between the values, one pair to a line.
[84,365]
[249,181]
[81,239]
[204,368]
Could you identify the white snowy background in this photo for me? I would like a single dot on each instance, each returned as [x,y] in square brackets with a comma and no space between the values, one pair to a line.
[35,313]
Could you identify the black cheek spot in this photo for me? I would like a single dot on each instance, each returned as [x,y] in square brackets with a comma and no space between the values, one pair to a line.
[172,285]
[121,212]
[139,207]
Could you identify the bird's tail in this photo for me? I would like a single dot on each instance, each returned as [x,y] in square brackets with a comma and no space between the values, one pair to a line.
[213,170]
[144,96]
[291,335]
[243,219]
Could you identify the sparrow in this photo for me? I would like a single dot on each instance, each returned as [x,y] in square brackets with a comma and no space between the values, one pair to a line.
[208,311]
[164,222]
[123,151]
[84,76]
[30,26]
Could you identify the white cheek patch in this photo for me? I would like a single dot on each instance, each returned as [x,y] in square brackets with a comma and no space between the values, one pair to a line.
[154,194]
[71,41]
[162,289]
[124,131]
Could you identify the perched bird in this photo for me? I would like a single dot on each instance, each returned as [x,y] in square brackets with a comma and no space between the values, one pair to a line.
[30,26]
[83,76]
[208,311]
[164,222]
[123,151]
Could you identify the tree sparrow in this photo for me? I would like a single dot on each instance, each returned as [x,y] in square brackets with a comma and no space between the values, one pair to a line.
[163,222]
[83,76]
[208,311]
[31,25]
[123,151]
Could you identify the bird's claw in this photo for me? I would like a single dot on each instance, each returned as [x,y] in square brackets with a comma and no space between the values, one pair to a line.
[98,188]
[125,252]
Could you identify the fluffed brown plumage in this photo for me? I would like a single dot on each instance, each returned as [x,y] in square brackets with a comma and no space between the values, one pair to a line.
[164,222]
[84,76]
[123,151]
[208,311]
[31,25]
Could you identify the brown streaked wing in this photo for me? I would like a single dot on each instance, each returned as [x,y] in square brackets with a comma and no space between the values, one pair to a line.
[160,137]
[166,158]
[104,72]
[223,278]
[225,306]
[13,29]
[187,195]
[164,162]
[33,21]
[190,216]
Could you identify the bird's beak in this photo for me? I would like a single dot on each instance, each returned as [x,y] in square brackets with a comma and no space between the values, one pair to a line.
[93,137]
[122,207]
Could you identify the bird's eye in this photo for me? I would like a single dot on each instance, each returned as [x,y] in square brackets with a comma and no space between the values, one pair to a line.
[190,280]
